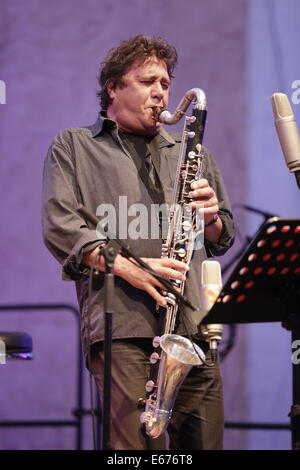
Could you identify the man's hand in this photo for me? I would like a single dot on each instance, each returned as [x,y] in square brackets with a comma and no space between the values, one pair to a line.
[137,277]
[204,197]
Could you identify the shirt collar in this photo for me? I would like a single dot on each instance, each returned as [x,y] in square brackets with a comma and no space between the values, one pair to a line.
[103,124]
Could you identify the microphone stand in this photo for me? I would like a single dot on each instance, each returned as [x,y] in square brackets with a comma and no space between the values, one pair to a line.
[110,251]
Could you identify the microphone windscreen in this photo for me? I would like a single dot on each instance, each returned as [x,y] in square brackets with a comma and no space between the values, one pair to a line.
[281,106]
[287,130]
[211,273]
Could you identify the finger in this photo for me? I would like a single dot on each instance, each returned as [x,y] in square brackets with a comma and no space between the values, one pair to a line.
[174,264]
[203,193]
[156,295]
[211,204]
[200,183]
[171,273]
[155,263]
[210,211]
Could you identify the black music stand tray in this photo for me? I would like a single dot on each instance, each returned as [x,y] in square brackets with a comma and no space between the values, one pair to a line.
[265,287]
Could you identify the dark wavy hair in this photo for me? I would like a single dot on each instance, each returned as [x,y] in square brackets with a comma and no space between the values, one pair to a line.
[119,60]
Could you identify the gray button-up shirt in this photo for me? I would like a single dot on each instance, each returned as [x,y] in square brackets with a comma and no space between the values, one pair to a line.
[89,165]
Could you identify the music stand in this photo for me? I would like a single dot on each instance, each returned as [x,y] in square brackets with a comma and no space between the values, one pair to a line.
[265,287]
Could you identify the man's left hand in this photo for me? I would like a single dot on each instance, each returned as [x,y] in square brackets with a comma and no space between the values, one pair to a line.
[204,197]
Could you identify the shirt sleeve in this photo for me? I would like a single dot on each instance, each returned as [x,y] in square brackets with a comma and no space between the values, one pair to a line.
[213,175]
[66,234]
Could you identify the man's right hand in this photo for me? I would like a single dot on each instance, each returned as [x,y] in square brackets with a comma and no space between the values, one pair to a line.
[137,277]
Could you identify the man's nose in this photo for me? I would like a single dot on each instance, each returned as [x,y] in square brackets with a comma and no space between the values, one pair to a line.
[157,91]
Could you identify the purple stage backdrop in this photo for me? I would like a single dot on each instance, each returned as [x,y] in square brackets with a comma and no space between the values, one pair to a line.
[239,52]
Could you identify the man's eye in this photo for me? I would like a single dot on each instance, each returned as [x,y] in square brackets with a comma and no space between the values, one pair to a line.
[164,85]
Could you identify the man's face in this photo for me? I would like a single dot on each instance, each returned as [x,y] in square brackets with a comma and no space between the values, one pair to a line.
[134,105]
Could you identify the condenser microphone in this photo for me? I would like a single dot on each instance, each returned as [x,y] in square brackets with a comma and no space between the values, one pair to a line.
[287,131]
[211,285]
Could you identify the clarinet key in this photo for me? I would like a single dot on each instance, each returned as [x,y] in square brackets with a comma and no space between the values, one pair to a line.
[154,357]
[149,386]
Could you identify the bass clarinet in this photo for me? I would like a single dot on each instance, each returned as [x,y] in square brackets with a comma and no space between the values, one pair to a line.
[174,355]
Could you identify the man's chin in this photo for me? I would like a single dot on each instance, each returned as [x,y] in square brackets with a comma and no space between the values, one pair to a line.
[149,129]
[153,128]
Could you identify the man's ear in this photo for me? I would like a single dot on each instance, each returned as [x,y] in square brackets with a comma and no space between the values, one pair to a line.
[110,87]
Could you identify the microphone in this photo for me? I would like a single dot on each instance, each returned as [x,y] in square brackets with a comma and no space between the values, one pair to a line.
[287,131]
[211,286]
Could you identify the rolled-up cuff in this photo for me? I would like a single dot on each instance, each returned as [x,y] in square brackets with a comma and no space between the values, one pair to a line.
[226,240]
[73,269]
